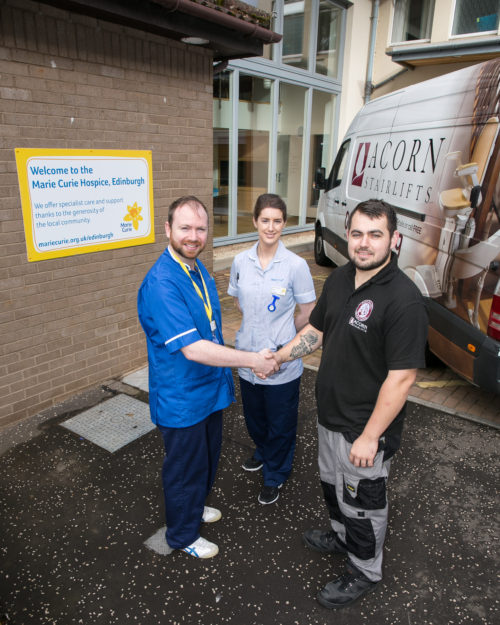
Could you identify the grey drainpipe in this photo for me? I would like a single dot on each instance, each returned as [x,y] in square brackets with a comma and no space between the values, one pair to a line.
[247,29]
[371,52]
[390,78]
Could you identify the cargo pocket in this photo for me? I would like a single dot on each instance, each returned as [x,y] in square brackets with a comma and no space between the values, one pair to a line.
[365,494]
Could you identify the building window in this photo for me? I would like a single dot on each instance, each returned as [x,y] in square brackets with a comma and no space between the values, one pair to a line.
[222,125]
[475,16]
[327,48]
[254,127]
[412,20]
[296,32]
[290,142]
[264,5]
[274,118]
[321,147]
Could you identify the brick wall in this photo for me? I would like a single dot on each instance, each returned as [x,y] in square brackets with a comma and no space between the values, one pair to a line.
[68,81]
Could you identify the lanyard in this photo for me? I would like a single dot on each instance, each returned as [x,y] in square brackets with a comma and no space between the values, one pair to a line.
[206,304]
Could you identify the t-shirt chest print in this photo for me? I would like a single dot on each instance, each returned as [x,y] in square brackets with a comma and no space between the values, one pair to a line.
[362,313]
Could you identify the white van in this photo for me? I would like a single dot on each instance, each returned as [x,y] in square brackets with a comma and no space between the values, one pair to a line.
[432,151]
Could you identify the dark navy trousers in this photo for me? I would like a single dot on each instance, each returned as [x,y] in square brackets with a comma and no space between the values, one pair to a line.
[271,413]
[189,468]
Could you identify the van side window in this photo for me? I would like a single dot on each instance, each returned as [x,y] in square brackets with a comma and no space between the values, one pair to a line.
[335,177]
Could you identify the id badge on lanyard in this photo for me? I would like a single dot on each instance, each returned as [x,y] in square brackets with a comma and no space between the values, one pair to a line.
[213,327]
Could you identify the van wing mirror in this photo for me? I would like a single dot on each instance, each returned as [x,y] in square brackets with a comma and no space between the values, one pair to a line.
[319,179]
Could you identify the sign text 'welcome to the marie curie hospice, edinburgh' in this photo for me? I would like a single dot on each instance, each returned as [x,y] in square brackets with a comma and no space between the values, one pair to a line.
[78,201]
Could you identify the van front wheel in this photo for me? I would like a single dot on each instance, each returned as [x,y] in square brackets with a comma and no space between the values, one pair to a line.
[319,250]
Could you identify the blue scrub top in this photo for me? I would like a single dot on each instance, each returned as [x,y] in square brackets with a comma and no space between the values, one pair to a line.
[181,392]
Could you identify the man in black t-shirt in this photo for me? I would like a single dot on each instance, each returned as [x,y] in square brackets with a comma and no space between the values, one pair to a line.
[372,323]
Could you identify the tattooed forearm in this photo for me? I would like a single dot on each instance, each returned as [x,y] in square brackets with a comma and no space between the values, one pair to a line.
[307,344]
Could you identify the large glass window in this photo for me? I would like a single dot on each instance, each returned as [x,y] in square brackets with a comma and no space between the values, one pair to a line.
[254,127]
[475,16]
[274,118]
[289,148]
[412,20]
[221,151]
[321,145]
[327,48]
[296,32]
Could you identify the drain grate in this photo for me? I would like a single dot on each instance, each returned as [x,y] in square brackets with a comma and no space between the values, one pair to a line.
[114,423]
[138,379]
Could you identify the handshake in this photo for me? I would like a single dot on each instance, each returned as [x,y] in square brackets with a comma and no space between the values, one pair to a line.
[266,363]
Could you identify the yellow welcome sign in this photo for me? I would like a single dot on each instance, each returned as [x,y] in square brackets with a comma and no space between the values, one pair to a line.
[80,201]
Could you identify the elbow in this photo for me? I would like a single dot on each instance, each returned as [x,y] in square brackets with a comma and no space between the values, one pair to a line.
[188,352]
[412,376]
[408,381]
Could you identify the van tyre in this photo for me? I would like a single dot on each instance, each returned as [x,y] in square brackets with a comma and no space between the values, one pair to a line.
[319,250]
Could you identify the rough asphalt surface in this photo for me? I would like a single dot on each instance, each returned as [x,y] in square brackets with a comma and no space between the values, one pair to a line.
[74,519]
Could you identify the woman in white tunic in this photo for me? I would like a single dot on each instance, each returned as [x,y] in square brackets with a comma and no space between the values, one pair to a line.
[269,283]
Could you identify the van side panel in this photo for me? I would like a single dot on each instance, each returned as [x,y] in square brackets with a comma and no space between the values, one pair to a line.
[432,150]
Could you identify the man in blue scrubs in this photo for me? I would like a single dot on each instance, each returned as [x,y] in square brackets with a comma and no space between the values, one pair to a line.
[189,382]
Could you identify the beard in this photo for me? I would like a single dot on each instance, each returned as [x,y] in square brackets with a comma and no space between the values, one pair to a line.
[185,253]
[373,264]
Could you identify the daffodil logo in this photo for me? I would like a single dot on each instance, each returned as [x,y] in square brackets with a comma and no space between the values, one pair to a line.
[133,215]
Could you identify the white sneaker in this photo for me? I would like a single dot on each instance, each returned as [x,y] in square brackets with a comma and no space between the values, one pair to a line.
[210,515]
[202,548]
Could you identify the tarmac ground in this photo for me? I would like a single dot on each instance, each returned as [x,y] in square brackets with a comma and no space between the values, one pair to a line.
[78,518]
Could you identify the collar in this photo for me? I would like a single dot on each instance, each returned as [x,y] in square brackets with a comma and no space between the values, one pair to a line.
[278,256]
[171,256]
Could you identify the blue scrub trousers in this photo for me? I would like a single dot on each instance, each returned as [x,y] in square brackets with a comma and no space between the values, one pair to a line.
[271,413]
[189,468]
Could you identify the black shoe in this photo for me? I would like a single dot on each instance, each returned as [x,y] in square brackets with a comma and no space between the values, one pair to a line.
[269,494]
[323,541]
[252,465]
[346,589]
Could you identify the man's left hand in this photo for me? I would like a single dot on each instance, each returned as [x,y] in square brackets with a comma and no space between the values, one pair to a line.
[363,451]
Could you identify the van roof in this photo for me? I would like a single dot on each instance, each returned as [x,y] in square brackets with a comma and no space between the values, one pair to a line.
[431,101]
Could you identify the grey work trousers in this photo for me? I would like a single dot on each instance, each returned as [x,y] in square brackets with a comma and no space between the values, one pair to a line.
[356,499]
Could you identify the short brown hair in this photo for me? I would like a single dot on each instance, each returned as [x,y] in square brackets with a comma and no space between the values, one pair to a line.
[190,200]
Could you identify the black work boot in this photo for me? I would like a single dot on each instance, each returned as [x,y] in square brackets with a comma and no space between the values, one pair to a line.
[324,541]
[346,589]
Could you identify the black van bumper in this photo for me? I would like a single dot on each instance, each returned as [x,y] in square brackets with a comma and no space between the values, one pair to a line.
[464,348]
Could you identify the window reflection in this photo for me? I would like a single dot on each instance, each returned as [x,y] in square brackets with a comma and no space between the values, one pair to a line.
[289,153]
[412,20]
[327,49]
[296,32]
[221,153]
[321,146]
[476,16]
[254,126]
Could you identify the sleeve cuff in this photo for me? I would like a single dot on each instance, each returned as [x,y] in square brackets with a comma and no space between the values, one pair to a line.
[175,343]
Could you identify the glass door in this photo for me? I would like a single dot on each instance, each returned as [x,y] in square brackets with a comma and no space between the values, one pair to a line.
[254,128]
[289,148]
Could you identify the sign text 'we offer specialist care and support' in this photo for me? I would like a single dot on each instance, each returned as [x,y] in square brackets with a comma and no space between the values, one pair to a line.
[78,201]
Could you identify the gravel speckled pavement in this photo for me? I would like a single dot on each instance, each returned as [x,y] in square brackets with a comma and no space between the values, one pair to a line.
[75,518]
